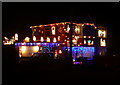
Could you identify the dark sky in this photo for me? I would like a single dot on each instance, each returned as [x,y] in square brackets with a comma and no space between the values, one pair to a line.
[18,17]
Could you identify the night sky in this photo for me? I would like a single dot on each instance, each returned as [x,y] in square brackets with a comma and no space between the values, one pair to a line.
[18,17]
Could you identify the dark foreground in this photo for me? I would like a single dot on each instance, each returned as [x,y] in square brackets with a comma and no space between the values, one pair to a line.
[102,71]
[58,73]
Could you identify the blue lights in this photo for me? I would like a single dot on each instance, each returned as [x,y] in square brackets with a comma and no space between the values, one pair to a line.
[83,51]
[37,44]
[77,52]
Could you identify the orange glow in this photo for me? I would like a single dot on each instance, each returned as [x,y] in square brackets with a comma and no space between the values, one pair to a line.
[89,36]
[84,41]
[95,27]
[36,48]
[27,39]
[67,40]
[23,49]
[63,43]
[58,38]
[54,39]
[84,36]
[82,24]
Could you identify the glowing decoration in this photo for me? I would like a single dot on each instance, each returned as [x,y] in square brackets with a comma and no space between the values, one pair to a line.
[13,37]
[58,38]
[16,36]
[20,53]
[7,43]
[92,42]
[89,42]
[73,60]
[101,33]
[60,51]
[23,49]
[102,42]
[48,39]
[54,39]
[93,37]
[6,38]
[95,27]
[72,35]
[68,28]
[34,38]
[82,24]
[87,24]
[77,30]
[84,36]
[36,48]
[27,39]
[63,43]
[58,44]
[84,41]
[53,30]
[89,36]
[41,39]
[67,40]
[74,41]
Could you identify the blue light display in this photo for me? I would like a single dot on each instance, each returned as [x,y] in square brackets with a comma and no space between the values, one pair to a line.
[84,51]
[78,51]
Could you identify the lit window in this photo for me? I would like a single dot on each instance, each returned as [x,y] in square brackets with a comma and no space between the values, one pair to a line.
[36,48]
[54,39]
[68,28]
[84,41]
[101,33]
[48,39]
[16,36]
[34,38]
[23,49]
[84,36]
[53,30]
[41,39]
[102,42]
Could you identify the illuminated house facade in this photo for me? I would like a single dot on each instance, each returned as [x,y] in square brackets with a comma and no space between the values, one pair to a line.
[87,40]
